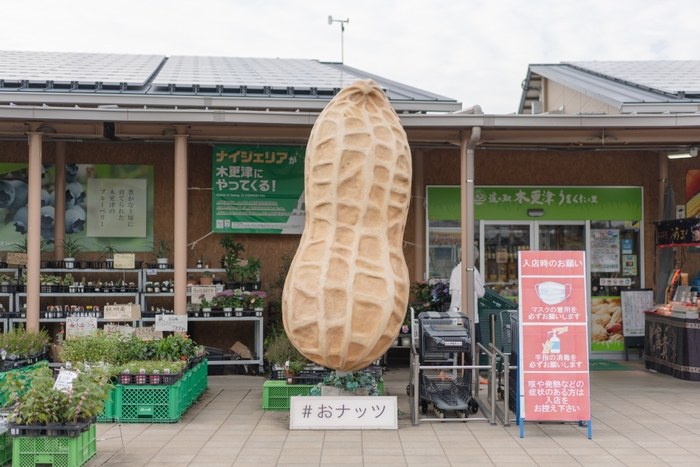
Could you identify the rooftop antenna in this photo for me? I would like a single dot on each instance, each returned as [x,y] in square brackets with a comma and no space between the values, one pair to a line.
[342,31]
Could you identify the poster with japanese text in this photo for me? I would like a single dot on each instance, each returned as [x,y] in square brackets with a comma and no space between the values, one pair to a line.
[605,250]
[634,304]
[258,189]
[117,207]
[553,328]
[80,210]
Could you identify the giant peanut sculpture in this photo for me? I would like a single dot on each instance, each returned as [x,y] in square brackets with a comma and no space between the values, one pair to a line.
[345,296]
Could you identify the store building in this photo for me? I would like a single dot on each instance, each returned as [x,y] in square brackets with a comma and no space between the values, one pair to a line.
[168,113]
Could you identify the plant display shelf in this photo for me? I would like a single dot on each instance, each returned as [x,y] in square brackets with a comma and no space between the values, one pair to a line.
[258,343]
[144,403]
[28,451]
[276,393]
[153,272]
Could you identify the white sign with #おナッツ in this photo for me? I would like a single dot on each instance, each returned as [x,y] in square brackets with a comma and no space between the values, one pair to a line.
[343,413]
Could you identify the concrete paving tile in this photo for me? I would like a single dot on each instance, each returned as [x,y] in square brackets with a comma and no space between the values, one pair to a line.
[379,451]
[554,459]
[506,459]
[384,464]
[432,461]
[342,444]
[340,457]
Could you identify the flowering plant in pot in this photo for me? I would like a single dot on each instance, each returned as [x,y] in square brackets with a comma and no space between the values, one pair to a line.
[205,304]
[256,300]
[37,405]
[18,344]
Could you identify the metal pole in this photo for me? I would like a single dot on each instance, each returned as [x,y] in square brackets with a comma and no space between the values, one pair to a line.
[342,42]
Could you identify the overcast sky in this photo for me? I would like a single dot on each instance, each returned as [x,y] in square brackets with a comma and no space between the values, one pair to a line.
[475,51]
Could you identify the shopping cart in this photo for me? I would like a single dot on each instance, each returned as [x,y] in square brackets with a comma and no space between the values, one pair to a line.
[505,318]
[445,340]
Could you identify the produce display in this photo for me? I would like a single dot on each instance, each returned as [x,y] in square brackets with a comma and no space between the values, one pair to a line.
[347,289]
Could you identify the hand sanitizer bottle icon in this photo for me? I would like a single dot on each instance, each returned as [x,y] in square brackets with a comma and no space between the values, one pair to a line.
[556,345]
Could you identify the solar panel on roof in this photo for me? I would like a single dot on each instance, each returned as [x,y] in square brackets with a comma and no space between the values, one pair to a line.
[187,71]
[86,68]
[671,76]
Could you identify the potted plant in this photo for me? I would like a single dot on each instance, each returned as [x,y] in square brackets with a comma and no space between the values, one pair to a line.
[162,249]
[293,369]
[108,251]
[39,409]
[71,248]
[256,301]
[248,272]
[206,278]
[206,305]
[230,258]
[279,350]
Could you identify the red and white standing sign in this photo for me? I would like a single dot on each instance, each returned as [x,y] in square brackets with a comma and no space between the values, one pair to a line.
[553,351]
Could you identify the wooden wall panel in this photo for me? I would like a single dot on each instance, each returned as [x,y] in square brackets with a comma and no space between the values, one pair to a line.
[529,167]
[441,167]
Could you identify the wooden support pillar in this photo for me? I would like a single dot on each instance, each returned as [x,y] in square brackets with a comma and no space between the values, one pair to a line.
[180,221]
[34,228]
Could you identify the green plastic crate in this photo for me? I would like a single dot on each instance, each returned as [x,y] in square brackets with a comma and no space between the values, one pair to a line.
[135,403]
[58,452]
[148,404]
[108,413]
[276,393]
[5,448]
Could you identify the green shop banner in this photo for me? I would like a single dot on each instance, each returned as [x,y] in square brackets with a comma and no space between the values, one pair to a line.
[554,203]
[258,189]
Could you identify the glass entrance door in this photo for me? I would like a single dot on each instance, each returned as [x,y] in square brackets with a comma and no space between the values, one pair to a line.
[501,244]
[561,236]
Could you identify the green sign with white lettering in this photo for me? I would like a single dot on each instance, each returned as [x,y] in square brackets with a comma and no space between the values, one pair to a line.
[538,203]
[258,189]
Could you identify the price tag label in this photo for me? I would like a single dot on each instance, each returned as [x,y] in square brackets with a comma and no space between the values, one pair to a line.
[79,326]
[209,292]
[18,259]
[127,312]
[124,260]
[148,333]
[64,381]
[171,322]
[124,330]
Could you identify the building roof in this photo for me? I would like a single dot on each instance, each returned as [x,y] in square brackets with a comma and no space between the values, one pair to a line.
[227,82]
[653,86]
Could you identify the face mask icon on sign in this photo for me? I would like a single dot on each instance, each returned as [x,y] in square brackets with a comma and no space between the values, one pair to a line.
[553,293]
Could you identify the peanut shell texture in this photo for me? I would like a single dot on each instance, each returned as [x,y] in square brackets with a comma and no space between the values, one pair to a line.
[346,292]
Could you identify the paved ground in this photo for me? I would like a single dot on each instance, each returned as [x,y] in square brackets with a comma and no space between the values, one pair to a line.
[640,419]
